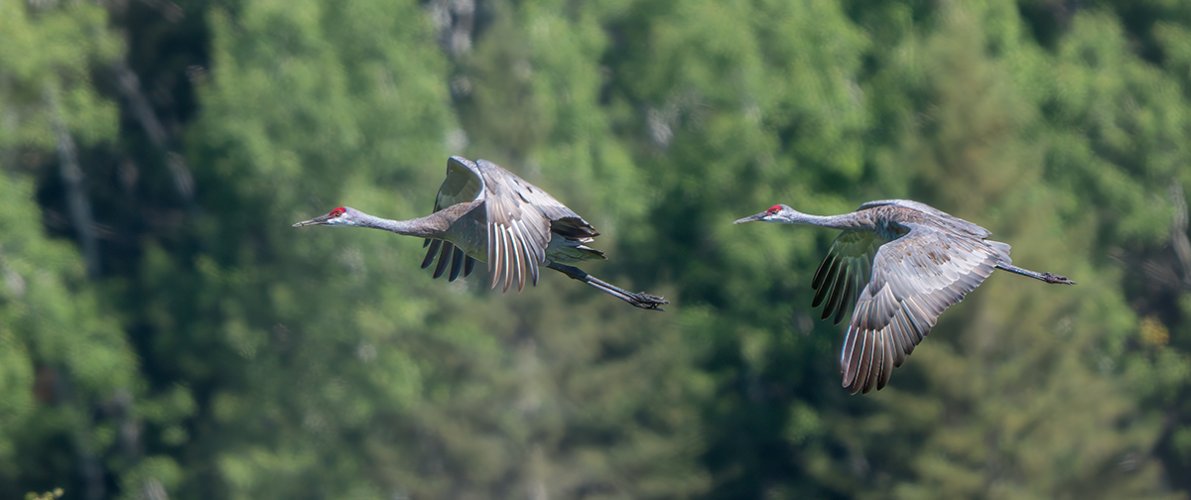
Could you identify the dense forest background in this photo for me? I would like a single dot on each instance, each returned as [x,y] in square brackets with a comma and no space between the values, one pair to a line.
[165,333]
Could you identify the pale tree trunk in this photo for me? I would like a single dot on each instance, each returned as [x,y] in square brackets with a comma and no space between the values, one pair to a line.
[138,104]
[1178,231]
[77,203]
[531,406]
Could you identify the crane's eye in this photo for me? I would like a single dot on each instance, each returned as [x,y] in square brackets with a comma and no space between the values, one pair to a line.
[774,209]
[336,212]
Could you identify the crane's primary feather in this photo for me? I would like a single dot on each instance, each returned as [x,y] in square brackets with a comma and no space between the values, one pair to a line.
[844,271]
[914,279]
[460,186]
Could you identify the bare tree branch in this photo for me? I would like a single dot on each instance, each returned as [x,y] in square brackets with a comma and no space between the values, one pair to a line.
[1178,230]
[130,87]
[454,20]
[72,175]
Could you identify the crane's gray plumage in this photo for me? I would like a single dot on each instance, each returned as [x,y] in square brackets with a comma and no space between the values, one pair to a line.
[519,220]
[485,213]
[898,264]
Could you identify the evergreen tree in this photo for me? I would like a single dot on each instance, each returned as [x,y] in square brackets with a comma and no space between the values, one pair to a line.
[192,344]
[574,395]
[739,105]
[297,344]
[1013,397]
[72,413]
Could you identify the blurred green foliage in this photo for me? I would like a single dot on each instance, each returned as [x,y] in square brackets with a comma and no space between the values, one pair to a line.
[212,351]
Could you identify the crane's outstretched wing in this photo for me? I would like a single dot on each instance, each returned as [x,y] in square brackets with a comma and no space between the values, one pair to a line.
[914,279]
[844,272]
[463,184]
[521,217]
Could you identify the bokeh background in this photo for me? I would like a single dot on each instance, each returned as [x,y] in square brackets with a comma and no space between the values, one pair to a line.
[165,333]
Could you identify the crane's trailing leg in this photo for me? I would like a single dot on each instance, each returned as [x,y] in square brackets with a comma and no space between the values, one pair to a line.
[639,299]
[1047,277]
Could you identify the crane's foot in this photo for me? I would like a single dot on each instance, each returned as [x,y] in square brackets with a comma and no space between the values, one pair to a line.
[1056,279]
[647,301]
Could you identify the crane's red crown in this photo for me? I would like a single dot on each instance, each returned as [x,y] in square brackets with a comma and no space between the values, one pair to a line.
[774,209]
[336,212]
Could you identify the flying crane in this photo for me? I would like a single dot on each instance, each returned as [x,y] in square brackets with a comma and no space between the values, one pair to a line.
[486,213]
[901,263]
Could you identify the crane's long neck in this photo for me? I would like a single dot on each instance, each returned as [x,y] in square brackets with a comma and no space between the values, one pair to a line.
[430,226]
[842,221]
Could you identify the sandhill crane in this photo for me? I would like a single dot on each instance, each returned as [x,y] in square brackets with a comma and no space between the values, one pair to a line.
[486,213]
[902,263]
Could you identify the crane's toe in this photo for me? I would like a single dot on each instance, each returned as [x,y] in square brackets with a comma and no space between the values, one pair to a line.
[648,301]
[1054,278]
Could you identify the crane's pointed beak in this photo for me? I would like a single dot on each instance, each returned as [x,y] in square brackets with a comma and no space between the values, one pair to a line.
[322,219]
[751,218]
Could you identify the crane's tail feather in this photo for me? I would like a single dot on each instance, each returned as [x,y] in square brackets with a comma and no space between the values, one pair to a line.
[639,299]
[1046,277]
